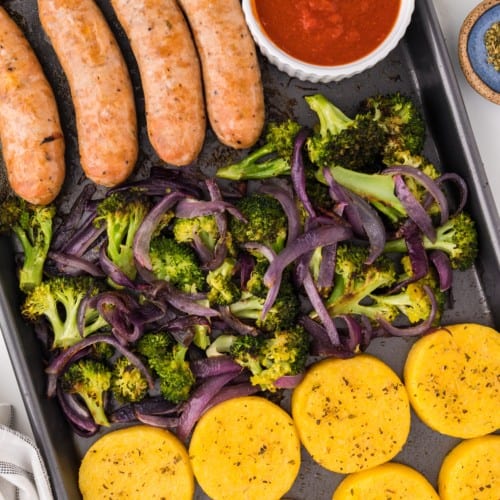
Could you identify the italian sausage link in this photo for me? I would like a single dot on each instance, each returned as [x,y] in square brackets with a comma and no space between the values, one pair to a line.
[100,87]
[171,77]
[231,73]
[30,131]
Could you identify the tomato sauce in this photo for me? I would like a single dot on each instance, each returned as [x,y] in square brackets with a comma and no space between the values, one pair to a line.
[327,32]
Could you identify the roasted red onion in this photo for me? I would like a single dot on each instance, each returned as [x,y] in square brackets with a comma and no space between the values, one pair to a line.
[59,363]
[282,192]
[442,264]
[198,402]
[297,173]
[430,185]
[416,212]
[306,242]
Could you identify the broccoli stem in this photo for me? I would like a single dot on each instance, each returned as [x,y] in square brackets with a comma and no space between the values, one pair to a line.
[378,189]
[31,272]
[331,119]
[255,170]
[247,308]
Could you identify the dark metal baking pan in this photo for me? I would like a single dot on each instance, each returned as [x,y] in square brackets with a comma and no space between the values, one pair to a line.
[419,66]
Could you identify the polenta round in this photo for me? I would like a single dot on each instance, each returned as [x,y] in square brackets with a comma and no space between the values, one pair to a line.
[245,448]
[136,462]
[391,480]
[471,470]
[351,414]
[452,380]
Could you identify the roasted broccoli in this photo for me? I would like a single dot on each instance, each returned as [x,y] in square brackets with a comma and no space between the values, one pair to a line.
[265,222]
[167,359]
[281,315]
[365,289]
[122,214]
[201,336]
[128,383]
[91,380]
[201,233]
[352,143]
[283,312]
[413,301]
[174,372]
[269,160]
[255,283]
[58,299]
[223,290]
[457,237]
[33,227]
[355,284]
[268,358]
[154,345]
[401,120]
[244,349]
[176,263]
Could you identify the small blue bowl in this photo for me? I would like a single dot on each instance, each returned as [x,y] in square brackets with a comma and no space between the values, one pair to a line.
[480,74]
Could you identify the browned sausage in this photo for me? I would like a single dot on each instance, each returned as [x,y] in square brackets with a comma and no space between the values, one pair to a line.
[30,132]
[100,87]
[231,74]
[170,74]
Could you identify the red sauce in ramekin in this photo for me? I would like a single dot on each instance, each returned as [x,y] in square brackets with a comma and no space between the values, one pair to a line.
[327,32]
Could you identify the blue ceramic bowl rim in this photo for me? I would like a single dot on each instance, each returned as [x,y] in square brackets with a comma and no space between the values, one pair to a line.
[476,48]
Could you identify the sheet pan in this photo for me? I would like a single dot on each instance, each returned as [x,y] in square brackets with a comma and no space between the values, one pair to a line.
[419,66]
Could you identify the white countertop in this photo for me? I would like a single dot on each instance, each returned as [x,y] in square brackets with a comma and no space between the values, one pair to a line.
[484,117]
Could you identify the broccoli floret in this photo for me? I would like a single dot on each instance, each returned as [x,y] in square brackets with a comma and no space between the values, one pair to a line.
[357,283]
[174,372]
[222,289]
[122,214]
[405,157]
[269,357]
[413,301]
[400,118]
[199,232]
[33,227]
[201,336]
[255,283]
[58,299]
[352,143]
[176,263]
[154,346]
[128,383]
[265,222]
[269,160]
[244,349]
[457,237]
[283,354]
[167,359]
[318,193]
[281,315]
[91,380]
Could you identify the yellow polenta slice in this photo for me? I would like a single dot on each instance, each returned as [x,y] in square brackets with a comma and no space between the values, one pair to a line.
[389,481]
[472,470]
[351,414]
[136,462]
[452,377]
[245,448]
